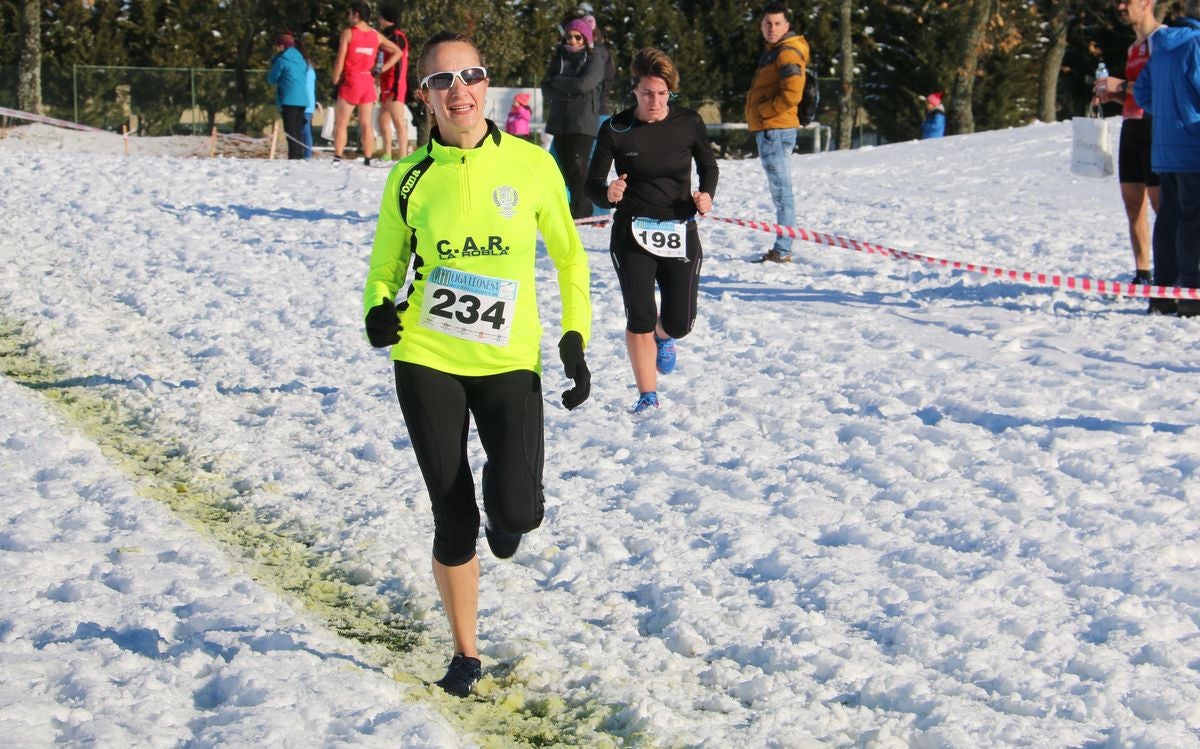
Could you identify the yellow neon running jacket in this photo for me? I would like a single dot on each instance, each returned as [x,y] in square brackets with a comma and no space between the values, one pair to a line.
[469,231]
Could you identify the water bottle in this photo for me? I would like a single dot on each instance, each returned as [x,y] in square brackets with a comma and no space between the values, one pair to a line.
[1098,86]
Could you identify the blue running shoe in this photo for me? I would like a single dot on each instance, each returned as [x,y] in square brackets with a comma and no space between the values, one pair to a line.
[645,402]
[665,359]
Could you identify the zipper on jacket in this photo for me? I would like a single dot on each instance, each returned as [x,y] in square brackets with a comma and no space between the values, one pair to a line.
[465,184]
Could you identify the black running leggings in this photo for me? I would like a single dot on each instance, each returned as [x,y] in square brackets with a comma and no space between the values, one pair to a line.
[678,281]
[508,416]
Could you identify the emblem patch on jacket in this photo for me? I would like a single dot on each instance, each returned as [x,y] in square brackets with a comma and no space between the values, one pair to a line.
[506,200]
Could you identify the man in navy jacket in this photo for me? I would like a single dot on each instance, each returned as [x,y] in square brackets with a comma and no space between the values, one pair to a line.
[1169,88]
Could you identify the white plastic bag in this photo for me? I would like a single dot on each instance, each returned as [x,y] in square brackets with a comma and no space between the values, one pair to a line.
[327,128]
[1092,151]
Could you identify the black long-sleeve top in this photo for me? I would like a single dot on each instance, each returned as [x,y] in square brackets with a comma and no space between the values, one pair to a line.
[657,157]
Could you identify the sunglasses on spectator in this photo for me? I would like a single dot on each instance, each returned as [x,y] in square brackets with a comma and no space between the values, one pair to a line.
[573,37]
[444,79]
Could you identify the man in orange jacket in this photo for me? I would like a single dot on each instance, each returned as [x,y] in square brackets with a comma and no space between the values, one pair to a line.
[771,115]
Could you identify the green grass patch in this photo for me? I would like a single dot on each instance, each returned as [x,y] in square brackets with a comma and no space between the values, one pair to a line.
[280,554]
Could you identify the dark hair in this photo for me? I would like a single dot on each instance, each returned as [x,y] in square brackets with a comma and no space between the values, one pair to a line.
[443,37]
[651,62]
[362,9]
[302,48]
[390,13]
[772,8]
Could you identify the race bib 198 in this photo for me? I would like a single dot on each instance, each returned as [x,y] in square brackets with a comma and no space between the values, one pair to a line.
[469,306]
[662,238]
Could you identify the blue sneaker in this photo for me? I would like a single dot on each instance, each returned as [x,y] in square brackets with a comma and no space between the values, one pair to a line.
[664,360]
[645,402]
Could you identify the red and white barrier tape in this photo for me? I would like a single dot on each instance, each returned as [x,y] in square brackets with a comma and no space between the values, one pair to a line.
[242,138]
[17,114]
[1055,280]
[31,117]
[594,220]
[1058,281]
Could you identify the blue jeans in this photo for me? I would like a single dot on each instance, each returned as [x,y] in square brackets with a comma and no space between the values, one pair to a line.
[775,150]
[307,135]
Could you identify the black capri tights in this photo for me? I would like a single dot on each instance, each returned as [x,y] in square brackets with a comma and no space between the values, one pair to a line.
[508,416]
[678,281]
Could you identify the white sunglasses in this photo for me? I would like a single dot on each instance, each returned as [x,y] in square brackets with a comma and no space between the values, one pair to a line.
[444,79]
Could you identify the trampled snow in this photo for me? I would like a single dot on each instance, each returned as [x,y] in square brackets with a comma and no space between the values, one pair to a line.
[882,505]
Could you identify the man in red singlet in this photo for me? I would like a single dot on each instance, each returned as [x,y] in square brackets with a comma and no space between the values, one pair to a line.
[353,75]
[393,87]
[1133,158]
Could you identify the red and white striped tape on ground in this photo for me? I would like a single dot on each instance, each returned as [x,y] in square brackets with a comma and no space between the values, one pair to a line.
[30,117]
[17,114]
[241,138]
[1058,281]
[600,220]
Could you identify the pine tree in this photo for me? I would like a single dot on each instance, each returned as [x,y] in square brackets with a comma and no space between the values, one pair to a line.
[726,43]
[908,54]
[1006,91]
[902,50]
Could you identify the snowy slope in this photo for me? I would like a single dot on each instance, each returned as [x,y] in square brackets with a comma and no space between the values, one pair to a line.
[883,505]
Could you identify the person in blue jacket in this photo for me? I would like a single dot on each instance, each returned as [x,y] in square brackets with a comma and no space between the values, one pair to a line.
[287,73]
[934,125]
[1169,89]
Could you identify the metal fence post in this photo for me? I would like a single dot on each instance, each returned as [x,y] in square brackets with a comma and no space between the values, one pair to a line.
[192,73]
[75,90]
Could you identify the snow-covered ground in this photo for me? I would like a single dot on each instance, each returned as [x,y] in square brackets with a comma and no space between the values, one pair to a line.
[883,505]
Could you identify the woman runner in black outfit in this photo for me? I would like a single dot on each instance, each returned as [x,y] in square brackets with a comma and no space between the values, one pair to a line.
[654,238]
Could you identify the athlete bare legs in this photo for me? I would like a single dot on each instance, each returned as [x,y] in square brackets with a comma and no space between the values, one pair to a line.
[392,112]
[459,589]
[643,352]
[1134,194]
[342,111]
[367,127]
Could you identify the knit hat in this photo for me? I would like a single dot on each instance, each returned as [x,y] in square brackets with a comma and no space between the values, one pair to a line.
[286,39]
[522,98]
[934,99]
[582,27]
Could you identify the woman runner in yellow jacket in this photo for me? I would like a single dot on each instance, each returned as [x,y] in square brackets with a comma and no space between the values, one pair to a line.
[464,214]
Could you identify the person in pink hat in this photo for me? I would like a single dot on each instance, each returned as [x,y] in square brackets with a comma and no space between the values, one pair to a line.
[610,67]
[934,125]
[517,122]
[572,91]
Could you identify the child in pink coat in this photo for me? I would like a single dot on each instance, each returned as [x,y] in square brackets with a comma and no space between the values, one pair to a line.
[519,116]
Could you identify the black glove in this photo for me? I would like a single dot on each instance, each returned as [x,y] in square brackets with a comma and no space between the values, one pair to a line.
[570,351]
[383,324]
